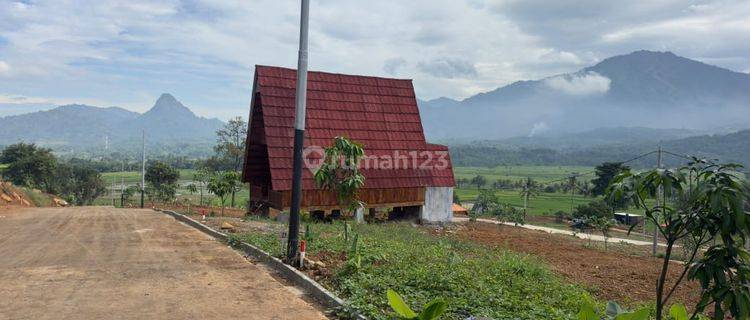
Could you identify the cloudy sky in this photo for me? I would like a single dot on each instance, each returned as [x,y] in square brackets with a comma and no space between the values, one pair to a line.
[125,53]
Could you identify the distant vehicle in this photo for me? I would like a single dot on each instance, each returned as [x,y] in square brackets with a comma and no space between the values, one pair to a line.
[628,218]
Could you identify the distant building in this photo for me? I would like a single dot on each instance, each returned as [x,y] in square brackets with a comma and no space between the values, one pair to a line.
[459,210]
[402,170]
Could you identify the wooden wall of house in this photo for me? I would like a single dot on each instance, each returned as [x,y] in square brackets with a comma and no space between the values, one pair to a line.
[257,170]
[326,200]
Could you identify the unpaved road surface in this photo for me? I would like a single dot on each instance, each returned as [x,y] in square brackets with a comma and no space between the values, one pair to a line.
[106,263]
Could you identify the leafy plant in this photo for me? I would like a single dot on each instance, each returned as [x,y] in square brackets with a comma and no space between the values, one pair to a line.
[603,225]
[201,179]
[339,172]
[222,185]
[486,202]
[613,311]
[230,145]
[309,235]
[161,180]
[709,200]
[561,216]
[347,231]
[432,310]
[528,191]
[507,212]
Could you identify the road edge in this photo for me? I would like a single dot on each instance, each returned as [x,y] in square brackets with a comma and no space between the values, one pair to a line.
[310,286]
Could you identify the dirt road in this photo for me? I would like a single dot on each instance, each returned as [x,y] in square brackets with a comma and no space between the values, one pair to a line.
[105,263]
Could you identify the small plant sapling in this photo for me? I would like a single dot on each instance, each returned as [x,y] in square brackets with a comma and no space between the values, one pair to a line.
[431,311]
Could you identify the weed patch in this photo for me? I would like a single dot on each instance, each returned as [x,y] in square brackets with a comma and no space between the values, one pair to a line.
[474,280]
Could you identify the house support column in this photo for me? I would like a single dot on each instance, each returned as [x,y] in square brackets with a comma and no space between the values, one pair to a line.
[438,205]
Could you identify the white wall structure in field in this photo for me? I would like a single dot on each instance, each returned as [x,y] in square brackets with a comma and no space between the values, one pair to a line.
[438,203]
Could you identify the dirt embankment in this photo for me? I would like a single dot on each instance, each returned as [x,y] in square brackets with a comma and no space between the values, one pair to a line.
[12,196]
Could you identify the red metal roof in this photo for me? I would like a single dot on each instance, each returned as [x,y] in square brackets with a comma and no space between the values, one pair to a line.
[379,113]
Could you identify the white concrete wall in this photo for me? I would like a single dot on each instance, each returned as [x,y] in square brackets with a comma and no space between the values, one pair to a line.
[438,204]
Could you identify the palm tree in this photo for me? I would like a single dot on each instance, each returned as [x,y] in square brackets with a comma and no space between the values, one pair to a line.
[528,190]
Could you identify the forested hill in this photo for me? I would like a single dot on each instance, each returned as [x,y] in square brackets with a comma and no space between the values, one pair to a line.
[643,88]
[733,147]
[77,128]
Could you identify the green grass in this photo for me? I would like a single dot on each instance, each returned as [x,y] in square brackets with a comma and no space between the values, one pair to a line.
[38,198]
[538,173]
[134,177]
[475,280]
[543,204]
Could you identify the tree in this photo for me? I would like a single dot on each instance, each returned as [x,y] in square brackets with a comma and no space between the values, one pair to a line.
[592,210]
[29,166]
[605,173]
[201,179]
[161,180]
[604,224]
[339,172]
[129,192]
[461,182]
[529,190]
[216,164]
[230,144]
[86,185]
[584,187]
[479,181]
[708,204]
[507,212]
[487,202]
[222,184]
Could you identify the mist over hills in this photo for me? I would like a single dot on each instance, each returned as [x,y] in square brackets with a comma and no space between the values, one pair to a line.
[81,127]
[640,89]
[732,147]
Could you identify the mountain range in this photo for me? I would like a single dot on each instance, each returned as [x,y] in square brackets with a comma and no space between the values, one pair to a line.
[640,89]
[622,105]
[641,153]
[76,127]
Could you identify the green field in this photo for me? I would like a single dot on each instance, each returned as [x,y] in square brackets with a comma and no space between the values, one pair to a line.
[134,177]
[544,204]
[537,173]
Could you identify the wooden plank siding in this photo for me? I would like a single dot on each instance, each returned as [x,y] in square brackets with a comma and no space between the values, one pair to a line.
[326,200]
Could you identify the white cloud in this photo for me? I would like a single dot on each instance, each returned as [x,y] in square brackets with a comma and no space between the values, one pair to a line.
[19,99]
[15,99]
[580,84]
[537,128]
[4,68]
[391,66]
[203,51]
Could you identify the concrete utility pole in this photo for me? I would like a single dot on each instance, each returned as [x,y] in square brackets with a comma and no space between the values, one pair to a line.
[143,168]
[299,135]
[114,183]
[122,185]
[659,196]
